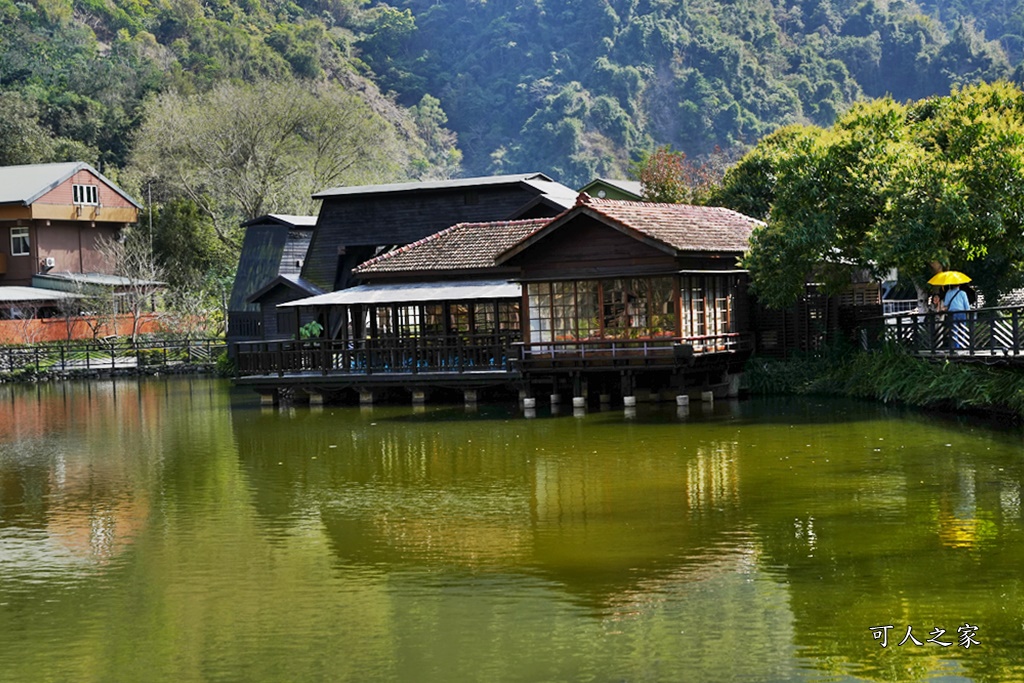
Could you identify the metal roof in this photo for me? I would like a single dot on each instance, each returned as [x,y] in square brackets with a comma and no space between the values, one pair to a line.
[15,294]
[422,186]
[633,187]
[27,183]
[98,279]
[415,292]
[285,219]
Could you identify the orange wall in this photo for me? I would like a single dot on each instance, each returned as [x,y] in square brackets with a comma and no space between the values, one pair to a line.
[56,329]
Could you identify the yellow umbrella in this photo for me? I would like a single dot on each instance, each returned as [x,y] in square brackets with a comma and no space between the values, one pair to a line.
[949,277]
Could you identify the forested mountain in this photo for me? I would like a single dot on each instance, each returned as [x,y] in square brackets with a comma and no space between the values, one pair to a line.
[575,88]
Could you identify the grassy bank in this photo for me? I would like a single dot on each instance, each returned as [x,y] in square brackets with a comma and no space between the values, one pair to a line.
[893,376]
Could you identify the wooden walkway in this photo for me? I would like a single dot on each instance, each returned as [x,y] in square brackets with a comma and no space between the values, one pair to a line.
[990,335]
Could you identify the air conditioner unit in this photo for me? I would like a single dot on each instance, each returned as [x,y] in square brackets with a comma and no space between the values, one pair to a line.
[49,262]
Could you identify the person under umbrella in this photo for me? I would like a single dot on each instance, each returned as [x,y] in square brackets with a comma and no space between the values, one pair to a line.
[955,301]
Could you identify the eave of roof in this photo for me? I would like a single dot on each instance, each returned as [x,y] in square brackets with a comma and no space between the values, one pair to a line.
[13,294]
[289,281]
[430,186]
[414,292]
[292,221]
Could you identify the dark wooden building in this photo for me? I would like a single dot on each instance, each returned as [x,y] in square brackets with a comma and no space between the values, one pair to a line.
[357,223]
[608,297]
[629,289]
[273,251]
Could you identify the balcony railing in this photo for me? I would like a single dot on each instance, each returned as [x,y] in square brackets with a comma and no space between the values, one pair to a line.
[484,352]
[613,352]
[503,352]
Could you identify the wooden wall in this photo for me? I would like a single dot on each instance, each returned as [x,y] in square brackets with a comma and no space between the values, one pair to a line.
[398,218]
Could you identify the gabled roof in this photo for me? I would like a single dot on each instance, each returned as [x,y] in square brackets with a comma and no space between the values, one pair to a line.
[27,183]
[465,246]
[673,228]
[293,282]
[534,179]
[292,221]
[629,187]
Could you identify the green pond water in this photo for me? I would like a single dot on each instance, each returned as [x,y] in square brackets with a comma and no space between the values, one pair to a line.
[172,530]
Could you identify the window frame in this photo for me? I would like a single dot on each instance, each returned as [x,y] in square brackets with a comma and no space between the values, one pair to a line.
[23,237]
[85,194]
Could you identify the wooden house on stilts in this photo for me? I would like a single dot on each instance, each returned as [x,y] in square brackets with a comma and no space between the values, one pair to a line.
[608,298]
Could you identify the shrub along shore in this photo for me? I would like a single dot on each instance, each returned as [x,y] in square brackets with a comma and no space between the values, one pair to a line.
[893,376]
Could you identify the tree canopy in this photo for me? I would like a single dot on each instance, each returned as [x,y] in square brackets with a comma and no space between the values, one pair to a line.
[933,183]
[240,151]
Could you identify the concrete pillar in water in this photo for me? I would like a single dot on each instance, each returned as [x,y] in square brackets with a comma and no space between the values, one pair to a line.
[316,398]
[579,401]
[469,396]
[365,397]
[419,397]
[268,398]
[683,400]
[734,385]
[530,403]
[629,401]
[556,399]
[707,396]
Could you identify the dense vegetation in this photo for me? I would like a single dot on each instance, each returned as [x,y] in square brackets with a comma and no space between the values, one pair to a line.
[920,187]
[574,88]
[578,86]
[893,376]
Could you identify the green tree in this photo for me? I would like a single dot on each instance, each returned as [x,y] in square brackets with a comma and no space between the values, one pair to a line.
[934,183]
[242,150]
[668,176]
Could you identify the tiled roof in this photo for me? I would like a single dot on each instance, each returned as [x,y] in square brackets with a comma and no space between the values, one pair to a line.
[463,246]
[680,226]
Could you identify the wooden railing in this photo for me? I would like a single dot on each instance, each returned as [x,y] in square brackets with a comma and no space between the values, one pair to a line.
[467,353]
[997,331]
[413,355]
[110,355]
[612,352]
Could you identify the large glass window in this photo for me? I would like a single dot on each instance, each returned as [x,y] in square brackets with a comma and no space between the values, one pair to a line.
[707,305]
[620,308]
[19,242]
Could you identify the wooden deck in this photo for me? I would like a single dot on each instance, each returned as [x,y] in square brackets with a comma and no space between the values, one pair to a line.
[990,335]
[488,360]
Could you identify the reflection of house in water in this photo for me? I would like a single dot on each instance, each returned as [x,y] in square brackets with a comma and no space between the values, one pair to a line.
[72,508]
[712,477]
